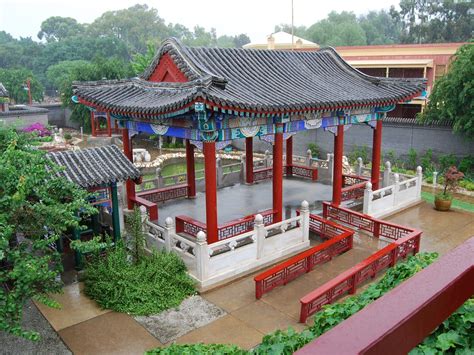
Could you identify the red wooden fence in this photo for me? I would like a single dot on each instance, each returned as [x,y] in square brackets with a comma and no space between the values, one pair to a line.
[341,240]
[406,241]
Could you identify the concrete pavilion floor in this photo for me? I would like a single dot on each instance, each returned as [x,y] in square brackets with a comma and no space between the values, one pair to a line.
[86,329]
[241,200]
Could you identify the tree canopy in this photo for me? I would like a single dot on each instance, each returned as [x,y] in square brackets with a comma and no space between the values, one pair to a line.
[452,98]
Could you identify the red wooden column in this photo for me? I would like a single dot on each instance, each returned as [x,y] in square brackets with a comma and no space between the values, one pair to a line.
[278,174]
[337,173]
[109,125]
[376,155]
[209,149]
[289,156]
[93,124]
[190,169]
[128,151]
[249,160]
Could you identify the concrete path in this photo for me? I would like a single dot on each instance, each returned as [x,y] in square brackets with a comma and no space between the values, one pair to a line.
[88,330]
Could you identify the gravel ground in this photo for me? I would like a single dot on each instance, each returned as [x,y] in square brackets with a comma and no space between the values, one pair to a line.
[49,344]
[192,313]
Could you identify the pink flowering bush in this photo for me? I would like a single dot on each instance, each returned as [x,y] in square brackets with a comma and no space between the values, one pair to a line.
[37,128]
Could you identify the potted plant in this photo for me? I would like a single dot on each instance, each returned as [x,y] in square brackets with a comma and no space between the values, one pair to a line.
[68,137]
[451,181]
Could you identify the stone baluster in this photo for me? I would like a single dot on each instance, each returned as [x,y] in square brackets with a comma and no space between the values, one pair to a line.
[304,213]
[260,232]
[309,155]
[330,176]
[170,229]
[159,179]
[368,196]
[419,174]
[435,178]
[360,166]
[201,252]
[386,174]
[396,189]
[267,159]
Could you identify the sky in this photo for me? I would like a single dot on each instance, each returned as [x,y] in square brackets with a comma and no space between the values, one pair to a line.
[256,18]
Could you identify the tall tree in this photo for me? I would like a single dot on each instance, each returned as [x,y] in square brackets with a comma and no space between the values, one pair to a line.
[426,21]
[452,98]
[36,208]
[15,81]
[380,28]
[136,26]
[57,28]
[338,29]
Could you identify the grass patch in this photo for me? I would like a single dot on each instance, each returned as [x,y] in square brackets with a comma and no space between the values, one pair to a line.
[462,205]
[148,286]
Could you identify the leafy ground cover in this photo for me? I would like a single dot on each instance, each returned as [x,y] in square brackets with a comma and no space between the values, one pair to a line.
[127,279]
[151,285]
[288,341]
[454,336]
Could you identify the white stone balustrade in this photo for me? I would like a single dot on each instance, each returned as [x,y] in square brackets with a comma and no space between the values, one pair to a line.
[396,196]
[232,257]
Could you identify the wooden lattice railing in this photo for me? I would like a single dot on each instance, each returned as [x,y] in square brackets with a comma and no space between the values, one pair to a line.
[353,187]
[340,240]
[406,240]
[227,230]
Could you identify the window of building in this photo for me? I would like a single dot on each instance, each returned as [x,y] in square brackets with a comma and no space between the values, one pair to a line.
[405,111]
[406,73]
[373,71]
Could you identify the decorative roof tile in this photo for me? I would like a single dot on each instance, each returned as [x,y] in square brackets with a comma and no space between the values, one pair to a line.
[249,80]
[94,167]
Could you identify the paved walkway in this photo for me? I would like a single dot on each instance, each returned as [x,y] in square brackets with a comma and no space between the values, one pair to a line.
[88,330]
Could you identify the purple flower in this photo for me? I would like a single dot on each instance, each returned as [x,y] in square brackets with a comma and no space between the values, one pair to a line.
[38,128]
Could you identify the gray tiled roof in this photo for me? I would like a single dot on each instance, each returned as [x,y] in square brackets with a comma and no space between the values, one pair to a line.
[95,166]
[3,91]
[249,79]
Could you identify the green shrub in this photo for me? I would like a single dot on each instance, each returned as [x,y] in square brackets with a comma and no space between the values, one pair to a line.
[362,152]
[315,150]
[454,336]
[150,285]
[412,159]
[466,165]
[391,157]
[427,162]
[445,161]
[466,184]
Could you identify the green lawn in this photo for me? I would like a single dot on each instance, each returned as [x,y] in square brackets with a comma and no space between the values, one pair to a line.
[462,205]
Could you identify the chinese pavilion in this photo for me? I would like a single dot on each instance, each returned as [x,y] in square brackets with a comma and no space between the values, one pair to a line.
[216,95]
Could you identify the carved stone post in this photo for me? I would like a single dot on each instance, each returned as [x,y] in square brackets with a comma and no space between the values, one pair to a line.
[309,155]
[330,176]
[304,213]
[386,174]
[202,256]
[368,195]
[267,159]
[435,178]
[360,165]
[159,179]
[260,232]
[169,230]
[396,189]
[419,174]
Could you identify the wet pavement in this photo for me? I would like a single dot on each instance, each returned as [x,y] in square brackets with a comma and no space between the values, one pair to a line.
[88,330]
[242,200]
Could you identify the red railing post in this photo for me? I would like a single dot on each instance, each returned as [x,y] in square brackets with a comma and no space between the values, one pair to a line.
[190,169]
[249,160]
[289,156]
[376,228]
[303,312]
[337,173]
[376,155]
[153,212]
[258,289]
[325,210]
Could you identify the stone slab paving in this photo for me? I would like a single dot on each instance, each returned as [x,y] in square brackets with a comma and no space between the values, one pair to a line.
[194,312]
[75,308]
[110,333]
